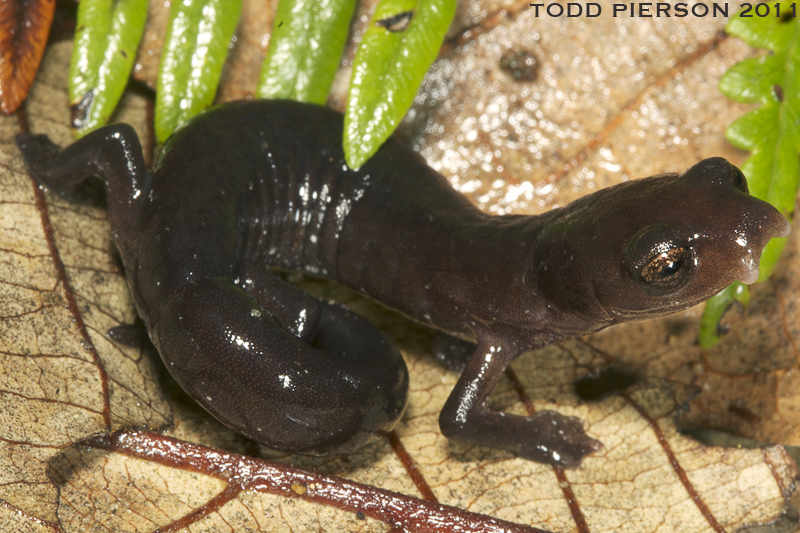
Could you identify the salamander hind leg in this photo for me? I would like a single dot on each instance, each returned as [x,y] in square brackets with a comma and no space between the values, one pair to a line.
[329,390]
[112,152]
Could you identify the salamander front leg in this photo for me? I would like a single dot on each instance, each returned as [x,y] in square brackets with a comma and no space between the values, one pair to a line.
[301,375]
[547,437]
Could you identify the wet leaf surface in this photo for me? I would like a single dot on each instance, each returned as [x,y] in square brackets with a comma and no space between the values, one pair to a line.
[319,31]
[196,45]
[397,49]
[106,43]
[613,100]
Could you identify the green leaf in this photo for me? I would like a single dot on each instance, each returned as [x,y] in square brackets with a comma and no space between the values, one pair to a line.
[771,32]
[399,46]
[195,48]
[771,132]
[751,80]
[716,307]
[106,40]
[305,49]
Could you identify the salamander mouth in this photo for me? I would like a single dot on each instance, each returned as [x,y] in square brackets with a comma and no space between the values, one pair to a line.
[747,270]
[640,314]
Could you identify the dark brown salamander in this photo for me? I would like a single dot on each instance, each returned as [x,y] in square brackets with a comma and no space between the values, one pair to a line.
[263,183]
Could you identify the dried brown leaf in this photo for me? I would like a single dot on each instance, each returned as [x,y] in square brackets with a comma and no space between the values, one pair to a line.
[752,377]
[62,380]
[145,67]
[24,25]
[243,66]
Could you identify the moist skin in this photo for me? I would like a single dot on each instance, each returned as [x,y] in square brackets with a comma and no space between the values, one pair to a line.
[249,186]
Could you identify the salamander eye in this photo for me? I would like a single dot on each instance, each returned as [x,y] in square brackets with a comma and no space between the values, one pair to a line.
[738,179]
[659,258]
[666,269]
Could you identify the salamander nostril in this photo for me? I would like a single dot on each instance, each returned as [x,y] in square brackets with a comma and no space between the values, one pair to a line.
[738,179]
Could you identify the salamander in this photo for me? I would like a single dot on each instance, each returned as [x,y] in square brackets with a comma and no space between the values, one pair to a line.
[248,187]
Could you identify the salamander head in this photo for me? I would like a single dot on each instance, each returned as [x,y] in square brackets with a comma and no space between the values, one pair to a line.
[655,246]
